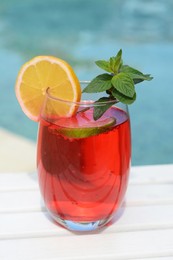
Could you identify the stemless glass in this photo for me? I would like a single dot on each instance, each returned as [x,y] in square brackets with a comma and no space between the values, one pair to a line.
[83,164]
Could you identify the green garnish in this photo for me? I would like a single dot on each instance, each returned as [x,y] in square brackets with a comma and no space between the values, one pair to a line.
[118,83]
[92,128]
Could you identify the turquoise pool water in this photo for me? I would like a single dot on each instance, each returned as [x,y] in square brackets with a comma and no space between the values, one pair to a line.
[81,32]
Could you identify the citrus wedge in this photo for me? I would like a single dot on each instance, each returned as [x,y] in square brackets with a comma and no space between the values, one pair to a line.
[90,129]
[44,72]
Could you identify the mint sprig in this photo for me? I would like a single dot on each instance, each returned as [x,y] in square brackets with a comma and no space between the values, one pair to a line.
[118,83]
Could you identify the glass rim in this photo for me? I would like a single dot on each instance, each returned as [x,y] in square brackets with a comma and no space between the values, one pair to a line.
[83,103]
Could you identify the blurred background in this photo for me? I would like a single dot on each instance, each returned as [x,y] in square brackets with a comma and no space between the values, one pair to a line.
[81,32]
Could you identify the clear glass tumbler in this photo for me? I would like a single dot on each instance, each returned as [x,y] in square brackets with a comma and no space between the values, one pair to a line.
[83,164]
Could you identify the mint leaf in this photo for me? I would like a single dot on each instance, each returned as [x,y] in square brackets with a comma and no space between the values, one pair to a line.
[116,62]
[135,74]
[122,98]
[124,84]
[102,108]
[105,65]
[136,81]
[119,84]
[99,84]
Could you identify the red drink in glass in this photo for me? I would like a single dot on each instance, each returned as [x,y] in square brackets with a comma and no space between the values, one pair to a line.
[83,179]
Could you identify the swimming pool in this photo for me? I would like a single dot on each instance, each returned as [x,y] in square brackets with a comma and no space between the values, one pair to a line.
[81,32]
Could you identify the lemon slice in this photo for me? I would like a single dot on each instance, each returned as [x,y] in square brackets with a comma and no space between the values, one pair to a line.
[37,75]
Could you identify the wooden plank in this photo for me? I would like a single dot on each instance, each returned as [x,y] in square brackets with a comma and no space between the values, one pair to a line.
[155,258]
[123,245]
[26,200]
[36,224]
[149,194]
[152,174]
[143,229]
[155,174]
[18,181]
[21,201]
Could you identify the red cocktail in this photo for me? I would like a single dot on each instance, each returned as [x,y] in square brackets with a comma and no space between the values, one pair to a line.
[84,147]
[83,165]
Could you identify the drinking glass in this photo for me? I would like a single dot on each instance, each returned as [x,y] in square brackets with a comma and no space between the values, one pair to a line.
[83,164]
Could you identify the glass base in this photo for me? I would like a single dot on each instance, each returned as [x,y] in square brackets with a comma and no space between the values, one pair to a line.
[80,226]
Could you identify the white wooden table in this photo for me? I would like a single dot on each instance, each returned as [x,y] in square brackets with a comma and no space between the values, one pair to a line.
[142,230]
